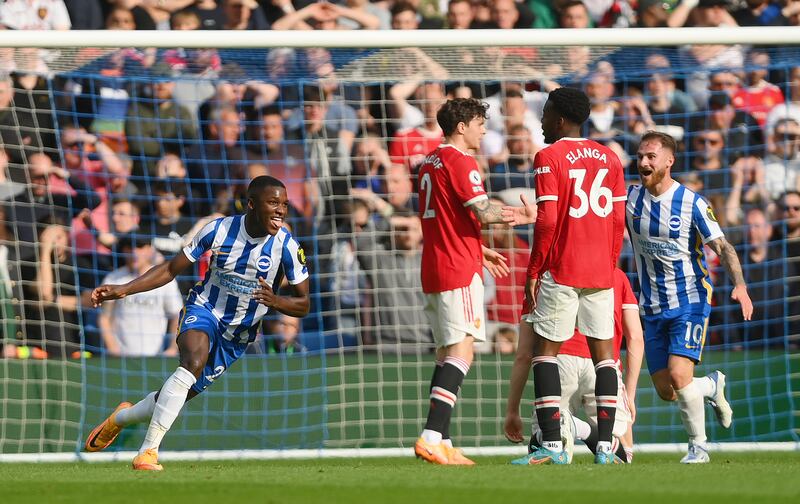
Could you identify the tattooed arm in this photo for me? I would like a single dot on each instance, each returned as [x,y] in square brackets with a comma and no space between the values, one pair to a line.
[488,212]
[729,259]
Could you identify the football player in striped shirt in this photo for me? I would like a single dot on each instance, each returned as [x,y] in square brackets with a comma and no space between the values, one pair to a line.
[669,225]
[251,254]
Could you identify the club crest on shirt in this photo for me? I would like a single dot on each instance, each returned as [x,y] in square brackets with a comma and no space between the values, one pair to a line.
[477,323]
[301,256]
[475,177]
[264,263]
[674,223]
[42,12]
[710,213]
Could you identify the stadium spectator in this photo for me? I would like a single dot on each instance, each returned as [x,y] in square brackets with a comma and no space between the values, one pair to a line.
[791,107]
[218,161]
[326,153]
[32,95]
[51,300]
[741,133]
[157,125]
[371,160]
[573,14]
[406,15]
[428,95]
[119,18]
[763,265]
[409,145]
[517,170]
[210,13]
[170,166]
[393,268]
[599,87]
[782,164]
[759,95]
[25,210]
[330,16]
[50,15]
[508,15]
[281,335]
[244,15]
[284,160]
[747,186]
[18,133]
[459,14]
[667,104]
[84,14]
[137,325]
[81,151]
[760,13]
[631,118]
[168,226]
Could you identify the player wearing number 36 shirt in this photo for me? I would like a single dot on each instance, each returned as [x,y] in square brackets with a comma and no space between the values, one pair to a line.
[580,194]
[453,206]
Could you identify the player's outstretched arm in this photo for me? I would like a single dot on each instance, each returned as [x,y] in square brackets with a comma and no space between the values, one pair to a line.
[512,428]
[634,343]
[488,212]
[154,278]
[729,259]
[520,216]
[296,305]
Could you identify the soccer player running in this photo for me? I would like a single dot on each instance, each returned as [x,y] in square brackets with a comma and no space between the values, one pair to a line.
[669,225]
[576,371]
[580,195]
[453,206]
[251,254]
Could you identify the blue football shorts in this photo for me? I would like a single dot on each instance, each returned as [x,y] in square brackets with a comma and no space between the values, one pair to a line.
[221,352]
[680,331]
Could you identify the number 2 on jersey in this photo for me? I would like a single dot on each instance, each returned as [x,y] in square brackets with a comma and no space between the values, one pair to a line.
[592,200]
[426,186]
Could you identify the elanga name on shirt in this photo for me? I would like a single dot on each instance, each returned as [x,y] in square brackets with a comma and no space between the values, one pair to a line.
[585,153]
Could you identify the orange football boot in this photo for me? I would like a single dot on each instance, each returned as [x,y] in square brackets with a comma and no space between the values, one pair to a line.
[104,434]
[433,453]
[147,461]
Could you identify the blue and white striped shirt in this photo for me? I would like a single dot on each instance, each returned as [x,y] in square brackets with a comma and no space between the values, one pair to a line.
[668,233]
[237,261]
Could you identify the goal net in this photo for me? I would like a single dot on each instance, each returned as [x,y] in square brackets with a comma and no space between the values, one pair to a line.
[110,150]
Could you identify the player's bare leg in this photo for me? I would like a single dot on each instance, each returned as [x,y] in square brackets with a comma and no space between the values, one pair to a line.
[606,388]
[433,444]
[193,347]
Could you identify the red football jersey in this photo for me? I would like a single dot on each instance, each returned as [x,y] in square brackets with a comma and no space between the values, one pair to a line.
[758,101]
[410,146]
[580,191]
[624,299]
[449,181]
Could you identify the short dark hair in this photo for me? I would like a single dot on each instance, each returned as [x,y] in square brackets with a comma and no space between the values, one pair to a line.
[312,93]
[459,110]
[572,104]
[167,186]
[665,140]
[261,182]
[269,110]
[402,6]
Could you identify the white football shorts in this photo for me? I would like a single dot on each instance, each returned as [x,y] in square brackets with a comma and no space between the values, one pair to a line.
[456,314]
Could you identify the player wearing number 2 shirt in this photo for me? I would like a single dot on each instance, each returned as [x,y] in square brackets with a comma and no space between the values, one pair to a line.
[453,206]
[580,193]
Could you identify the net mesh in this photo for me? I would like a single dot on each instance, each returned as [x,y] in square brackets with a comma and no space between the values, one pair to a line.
[126,133]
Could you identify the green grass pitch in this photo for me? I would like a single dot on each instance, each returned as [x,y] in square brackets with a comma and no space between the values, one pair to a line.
[653,478]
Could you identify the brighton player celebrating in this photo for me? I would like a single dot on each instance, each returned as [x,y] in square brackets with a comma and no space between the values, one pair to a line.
[668,225]
[251,253]
[580,193]
[577,374]
[453,205]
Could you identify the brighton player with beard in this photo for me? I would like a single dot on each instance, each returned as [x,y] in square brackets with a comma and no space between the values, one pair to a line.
[580,193]
[453,205]
[251,254]
[576,371]
[669,225]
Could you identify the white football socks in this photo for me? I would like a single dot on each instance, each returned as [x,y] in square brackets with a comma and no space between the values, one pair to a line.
[693,414]
[170,401]
[706,386]
[140,412]
[431,436]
